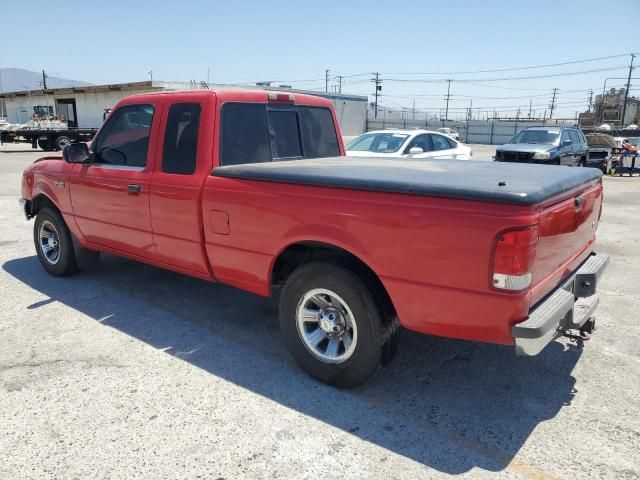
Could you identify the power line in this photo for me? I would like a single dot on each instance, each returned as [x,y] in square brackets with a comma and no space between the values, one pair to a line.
[530,77]
[510,69]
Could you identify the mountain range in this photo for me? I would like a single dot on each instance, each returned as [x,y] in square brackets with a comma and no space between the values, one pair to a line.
[18,79]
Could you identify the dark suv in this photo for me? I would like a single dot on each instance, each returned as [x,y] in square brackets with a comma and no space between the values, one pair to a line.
[549,145]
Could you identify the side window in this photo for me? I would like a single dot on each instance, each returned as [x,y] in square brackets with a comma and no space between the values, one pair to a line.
[565,137]
[421,141]
[181,139]
[581,136]
[285,135]
[574,137]
[244,136]
[452,143]
[440,142]
[318,133]
[124,140]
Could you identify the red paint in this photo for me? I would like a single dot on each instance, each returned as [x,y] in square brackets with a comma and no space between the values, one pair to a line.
[433,255]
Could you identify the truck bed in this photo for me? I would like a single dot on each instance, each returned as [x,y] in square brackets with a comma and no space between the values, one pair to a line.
[518,184]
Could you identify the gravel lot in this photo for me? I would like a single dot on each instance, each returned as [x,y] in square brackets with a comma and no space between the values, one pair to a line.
[127,371]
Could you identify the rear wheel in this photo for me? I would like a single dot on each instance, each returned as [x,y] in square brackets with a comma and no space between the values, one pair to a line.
[62,142]
[333,324]
[53,243]
[582,162]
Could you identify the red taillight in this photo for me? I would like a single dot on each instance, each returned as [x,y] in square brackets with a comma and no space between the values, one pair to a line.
[513,258]
[281,97]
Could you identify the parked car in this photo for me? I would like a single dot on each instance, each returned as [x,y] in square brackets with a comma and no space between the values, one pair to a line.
[547,145]
[249,188]
[408,144]
[450,132]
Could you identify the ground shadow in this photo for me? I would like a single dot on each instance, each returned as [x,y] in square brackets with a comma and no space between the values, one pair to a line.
[447,404]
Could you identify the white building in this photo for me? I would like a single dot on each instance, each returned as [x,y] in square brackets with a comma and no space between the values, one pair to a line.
[84,107]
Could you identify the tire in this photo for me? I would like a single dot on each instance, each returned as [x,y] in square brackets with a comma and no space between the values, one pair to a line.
[53,242]
[62,141]
[582,162]
[311,328]
[44,145]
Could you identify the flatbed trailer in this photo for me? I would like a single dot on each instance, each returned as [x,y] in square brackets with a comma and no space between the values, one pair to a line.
[48,139]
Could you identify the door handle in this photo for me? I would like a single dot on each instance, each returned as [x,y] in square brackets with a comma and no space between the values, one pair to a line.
[134,189]
[579,202]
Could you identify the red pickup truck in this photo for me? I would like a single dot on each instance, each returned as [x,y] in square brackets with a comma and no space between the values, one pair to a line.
[252,189]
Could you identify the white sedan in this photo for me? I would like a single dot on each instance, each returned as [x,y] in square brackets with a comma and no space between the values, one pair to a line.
[408,144]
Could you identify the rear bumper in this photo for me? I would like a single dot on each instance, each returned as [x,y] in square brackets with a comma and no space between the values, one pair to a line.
[568,307]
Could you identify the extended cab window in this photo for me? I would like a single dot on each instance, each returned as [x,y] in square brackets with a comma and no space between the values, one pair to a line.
[256,133]
[244,136]
[124,139]
[181,139]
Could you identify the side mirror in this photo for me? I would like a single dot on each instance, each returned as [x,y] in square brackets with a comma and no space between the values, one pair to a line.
[415,150]
[76,153]
[566,142]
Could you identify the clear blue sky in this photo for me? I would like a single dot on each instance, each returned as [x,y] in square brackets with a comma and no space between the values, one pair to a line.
[247,41]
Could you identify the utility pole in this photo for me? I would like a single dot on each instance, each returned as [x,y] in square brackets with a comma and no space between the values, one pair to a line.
[590,100]
[553,103]
[378,88]
[150,72]
[530,107]
[44,80]
[339,83]
[326,80]
[413,110]
[626,92]
[446,114]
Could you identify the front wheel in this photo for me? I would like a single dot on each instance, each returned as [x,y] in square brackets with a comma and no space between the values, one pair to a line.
[332,324]
[53,243]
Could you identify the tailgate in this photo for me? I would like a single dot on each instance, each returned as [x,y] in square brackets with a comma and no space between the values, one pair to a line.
[567,232]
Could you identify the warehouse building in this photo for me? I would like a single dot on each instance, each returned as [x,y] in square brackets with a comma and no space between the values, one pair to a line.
[84,107]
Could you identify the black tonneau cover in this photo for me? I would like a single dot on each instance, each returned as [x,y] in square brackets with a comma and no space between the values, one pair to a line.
[514,183]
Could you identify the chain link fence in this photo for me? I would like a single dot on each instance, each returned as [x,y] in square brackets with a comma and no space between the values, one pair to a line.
[486,132]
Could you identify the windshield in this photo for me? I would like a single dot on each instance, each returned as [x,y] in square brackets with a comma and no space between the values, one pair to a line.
[537,136]
[377,142]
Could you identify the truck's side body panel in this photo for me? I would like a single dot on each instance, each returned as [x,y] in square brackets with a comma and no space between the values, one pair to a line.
[432,254]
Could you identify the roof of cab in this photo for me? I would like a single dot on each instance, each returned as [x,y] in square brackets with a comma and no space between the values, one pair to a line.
[238,94]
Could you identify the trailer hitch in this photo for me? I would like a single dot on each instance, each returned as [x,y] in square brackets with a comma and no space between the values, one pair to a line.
[582,335]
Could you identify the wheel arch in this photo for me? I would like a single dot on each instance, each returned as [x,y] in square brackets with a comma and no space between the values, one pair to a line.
[302,252]
[40,201]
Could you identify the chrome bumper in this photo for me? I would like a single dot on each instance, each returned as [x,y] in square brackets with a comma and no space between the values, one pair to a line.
[568,307]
